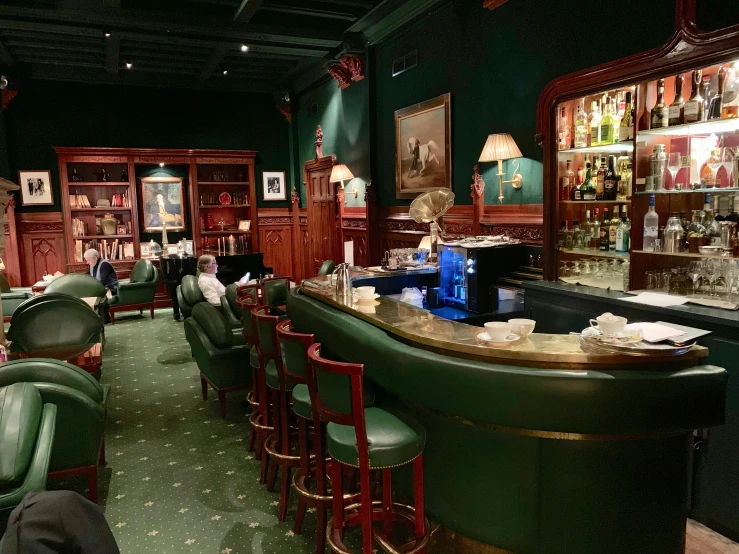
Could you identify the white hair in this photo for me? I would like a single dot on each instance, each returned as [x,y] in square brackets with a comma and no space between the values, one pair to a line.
[90,254]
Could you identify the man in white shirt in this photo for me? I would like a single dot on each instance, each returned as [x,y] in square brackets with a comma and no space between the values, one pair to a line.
[209,284]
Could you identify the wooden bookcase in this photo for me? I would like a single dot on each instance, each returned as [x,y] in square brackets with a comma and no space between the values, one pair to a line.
[687,50]
[210,174]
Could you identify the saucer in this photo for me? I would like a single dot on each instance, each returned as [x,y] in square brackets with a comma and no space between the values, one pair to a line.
[361,300]
[622,337]
[484,337]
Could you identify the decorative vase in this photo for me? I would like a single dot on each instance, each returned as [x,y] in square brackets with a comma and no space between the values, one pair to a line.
[108,224]
[75,176]
[124,176]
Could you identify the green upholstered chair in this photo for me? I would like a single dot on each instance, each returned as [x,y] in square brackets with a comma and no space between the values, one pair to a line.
[274,291]
[189,294]
[81,409]
[26,435]
[137,292]
[80,285]
[232,311]
[223,365]
[12,298]
[327,268]
[53,321]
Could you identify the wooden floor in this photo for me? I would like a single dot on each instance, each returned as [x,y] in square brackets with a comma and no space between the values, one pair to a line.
[702,540]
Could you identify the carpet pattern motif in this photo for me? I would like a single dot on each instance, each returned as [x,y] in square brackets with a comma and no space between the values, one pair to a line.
[178,477]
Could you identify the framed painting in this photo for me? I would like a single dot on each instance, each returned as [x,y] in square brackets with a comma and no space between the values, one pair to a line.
[162,203]
[35,188]
[274,186]
[423,149]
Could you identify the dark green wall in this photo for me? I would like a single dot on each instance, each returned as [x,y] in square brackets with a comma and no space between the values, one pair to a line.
[495,64]
[344,118]
[47,114]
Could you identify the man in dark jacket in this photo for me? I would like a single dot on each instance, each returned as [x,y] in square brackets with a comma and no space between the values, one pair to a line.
[102,270]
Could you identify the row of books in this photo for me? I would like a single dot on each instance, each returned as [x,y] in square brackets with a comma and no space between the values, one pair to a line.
[79,227]
[82,201]
[109,249]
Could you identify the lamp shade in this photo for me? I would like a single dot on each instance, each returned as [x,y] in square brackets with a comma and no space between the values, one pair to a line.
[499,147]
[340,173]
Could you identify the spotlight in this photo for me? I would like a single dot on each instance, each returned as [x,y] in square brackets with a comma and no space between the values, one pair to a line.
[225,71]
[161,164]
[106,32]
[244,48]
[129,65]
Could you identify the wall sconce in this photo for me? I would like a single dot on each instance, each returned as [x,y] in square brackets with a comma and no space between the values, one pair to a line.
[501,147]
[339,174]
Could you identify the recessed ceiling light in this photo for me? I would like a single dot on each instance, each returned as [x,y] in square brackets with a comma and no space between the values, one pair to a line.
[161,164]
[129,65]
[225,71]
[106,32]
[244,48]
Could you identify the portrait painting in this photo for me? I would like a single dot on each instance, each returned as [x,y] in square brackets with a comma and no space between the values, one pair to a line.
[35,188]
[273,185]
[423,158]
[162,203]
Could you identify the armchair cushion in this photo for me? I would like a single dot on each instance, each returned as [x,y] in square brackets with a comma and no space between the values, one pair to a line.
[133,293]
[20,417]
[327,267]
[144,272]
[11,301]
[214,323]
[224,367]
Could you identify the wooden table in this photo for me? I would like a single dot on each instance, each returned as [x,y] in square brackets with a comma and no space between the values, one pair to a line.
[86,356]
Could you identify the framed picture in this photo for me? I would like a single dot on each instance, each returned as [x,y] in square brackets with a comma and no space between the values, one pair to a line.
[244,225]
[423,149]
[188,248]
[162,203]
[35,188]
[171,249]
[120,229]
[273,185]
[145,251]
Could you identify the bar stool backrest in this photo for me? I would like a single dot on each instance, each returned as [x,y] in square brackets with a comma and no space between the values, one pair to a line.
[274,291]
[248,291]
[294,347]
[266,325]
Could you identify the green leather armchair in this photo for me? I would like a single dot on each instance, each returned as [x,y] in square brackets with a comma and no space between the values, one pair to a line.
[232,311]
[26,433]
[81,410]
[137,292]
[223,365]
[80,285]
[53,321]
[327,268]
[12,298]
[189,294]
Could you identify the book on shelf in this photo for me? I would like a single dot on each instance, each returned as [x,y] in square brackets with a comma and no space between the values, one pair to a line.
[120,201]
[79,227]
[109,249]
[79,201]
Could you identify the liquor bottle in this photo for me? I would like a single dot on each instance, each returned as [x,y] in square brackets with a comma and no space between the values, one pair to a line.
[622,103]
[606,124]
[693,109]
[600,179]
[612,228]
[706,174]
[594,124]
[713,229]
[587,189]
[626,127]
[659,111]
[577,235]
[609,180]
[734,212]
[75,176]
[622,233]
[706,95]
[644,119]
[562,234]
[625,214]
[603,233]
[623,169]
[595,230]
[730,101]
[651,224]
[581,126]
[564,138]
[717,210]
[567,180]
[714,107]
[568,239]
[676,114]
[586,230]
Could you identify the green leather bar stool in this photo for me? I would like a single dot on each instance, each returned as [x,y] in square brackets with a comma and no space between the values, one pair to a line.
[274,291]
[261,419]
[368,439]
[281,449]
[247,300]
[232,311]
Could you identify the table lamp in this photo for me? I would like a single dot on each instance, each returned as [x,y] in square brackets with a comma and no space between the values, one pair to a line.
[501,147]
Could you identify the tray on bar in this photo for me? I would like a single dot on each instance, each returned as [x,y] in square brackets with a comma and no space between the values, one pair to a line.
[595,345]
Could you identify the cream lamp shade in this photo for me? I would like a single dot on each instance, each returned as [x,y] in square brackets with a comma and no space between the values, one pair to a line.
[499,147]
[340,173]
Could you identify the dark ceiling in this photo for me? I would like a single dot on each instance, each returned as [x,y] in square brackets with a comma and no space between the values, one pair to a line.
[176,43]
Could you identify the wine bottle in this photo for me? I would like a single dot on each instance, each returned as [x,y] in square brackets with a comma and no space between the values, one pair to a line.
[693,109]
[660,116]
[714,107]
[626,128]
[676,111]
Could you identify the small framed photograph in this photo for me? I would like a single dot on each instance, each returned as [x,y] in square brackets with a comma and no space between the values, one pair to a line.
[120,229]
[244,225]
[171,249]
[35,188]
[188,248]
[145,251]
[273,186]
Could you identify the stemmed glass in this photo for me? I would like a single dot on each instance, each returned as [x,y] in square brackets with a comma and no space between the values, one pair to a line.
[694,272]
[674,165]
[711,273]
[714,163]
[727,160]
[728,273]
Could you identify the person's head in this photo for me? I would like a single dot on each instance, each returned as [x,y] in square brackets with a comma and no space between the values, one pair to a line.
[160,199]
[207,264]
[91,256]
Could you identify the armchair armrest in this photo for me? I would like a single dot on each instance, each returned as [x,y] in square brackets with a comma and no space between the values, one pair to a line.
[232,318]
[136,293]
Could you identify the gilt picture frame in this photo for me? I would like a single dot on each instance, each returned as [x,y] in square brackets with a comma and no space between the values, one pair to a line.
[423,149]
[35,188]
[274,186]
[162,201]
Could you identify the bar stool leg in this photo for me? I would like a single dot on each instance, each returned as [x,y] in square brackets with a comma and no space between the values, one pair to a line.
[272,472]
[387,503]
[321,488]
[418,499]
[365,490]
[304,470]
[285,469]
[338,510]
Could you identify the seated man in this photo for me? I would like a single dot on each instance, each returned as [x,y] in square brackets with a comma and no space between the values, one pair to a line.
[102,270]
[209,284]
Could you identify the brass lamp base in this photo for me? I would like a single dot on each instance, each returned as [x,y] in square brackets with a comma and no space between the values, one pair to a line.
[516,181]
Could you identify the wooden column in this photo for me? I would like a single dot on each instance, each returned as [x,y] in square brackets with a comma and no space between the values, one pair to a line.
[298,269]
[10,255]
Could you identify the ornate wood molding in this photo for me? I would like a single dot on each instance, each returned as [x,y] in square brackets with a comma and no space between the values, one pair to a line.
[532,235]
[354,65]
[275,220]
[319,143]
[303,220]
[121,154]
[342,75]
[354,223]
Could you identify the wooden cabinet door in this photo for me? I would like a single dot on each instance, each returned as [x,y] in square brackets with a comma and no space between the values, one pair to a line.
[42,245]
[322,223]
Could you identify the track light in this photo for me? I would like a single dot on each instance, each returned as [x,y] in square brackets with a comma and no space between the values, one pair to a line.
[161,164]
[225,71]
[106,32]
[244,48]
[129,65]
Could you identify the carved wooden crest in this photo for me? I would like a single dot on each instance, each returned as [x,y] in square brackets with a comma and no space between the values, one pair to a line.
[354,65]
[342,75]
[319,143]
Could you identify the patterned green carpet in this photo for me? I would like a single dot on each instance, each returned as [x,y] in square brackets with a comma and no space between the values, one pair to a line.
[179,478]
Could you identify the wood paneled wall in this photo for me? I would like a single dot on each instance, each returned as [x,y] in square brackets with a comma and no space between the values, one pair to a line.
[41,245]
[276,240]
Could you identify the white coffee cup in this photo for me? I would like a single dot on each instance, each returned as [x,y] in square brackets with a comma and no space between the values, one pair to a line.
[522,327]
[365,292]
[498,330]
[609,324]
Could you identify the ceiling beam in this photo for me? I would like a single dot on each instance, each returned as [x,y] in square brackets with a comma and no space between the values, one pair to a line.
[246,10]
[362,4]
[390,16]
[112,54]
[6,58]
[111,3]
[310,12]
[213,62]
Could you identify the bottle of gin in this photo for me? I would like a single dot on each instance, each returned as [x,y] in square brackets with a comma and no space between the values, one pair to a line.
[622,233]
[693,109]
[577,235]
[660,116]
[586,230]
[676,111]
[651,224]
[581,126]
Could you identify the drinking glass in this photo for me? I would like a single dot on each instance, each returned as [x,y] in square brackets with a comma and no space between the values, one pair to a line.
[711,272]
[652,280]
[673,165]
[728,274]
[563,269]
[666,276]
[694,272]
[727,161]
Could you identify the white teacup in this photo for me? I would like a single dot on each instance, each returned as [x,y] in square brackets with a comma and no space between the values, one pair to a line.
[498,330]
[522,327]
[365,292]
[609,324]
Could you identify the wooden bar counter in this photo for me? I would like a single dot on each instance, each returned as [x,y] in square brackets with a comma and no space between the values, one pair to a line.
[538,447]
